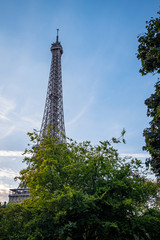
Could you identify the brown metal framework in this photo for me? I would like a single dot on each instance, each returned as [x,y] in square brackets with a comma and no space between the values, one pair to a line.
[53,112]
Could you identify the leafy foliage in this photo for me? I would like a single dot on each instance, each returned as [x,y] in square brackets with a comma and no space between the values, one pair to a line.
[149,47]
[152,134]
[149,54]
[80,191]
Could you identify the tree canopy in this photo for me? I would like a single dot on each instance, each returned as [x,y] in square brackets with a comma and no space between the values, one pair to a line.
[80,191]
[149,54]
[152,133]
[149,47]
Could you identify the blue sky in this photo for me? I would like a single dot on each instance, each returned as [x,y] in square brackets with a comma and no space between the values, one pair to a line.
[102,88]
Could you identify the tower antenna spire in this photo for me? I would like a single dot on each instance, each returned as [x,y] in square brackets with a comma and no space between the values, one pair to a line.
[57,34]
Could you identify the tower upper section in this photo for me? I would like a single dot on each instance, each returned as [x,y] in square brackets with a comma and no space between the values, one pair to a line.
[56,46]
[53,112]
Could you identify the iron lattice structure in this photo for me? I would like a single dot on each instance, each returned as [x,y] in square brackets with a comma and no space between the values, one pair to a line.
[53,112]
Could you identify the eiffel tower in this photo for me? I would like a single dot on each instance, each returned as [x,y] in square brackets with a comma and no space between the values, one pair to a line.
[53,112]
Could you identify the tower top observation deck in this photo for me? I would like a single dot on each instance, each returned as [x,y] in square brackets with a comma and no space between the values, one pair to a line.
[57,45]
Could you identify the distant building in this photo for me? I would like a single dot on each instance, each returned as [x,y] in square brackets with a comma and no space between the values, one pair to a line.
[16,195]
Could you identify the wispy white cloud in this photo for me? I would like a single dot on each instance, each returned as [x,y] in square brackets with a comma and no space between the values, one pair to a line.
[4,153]
[19,109]
[8,173]
[2,117]
[31,121]
[6,132]
[6,182]
[135,155]
[4,194]
[4,190]
[81,113]
[6,106]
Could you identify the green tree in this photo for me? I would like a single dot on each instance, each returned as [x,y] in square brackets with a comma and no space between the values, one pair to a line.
[149,47]
[80,191]
[149,54]
[152,134]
